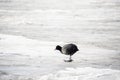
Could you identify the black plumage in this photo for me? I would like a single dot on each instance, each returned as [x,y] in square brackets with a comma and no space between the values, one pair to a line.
[68,49]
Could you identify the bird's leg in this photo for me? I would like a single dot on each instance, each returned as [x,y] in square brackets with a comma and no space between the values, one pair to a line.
[70,60]
[70,57]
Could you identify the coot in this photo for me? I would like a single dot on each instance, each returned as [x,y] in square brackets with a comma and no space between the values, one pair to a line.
[68,49]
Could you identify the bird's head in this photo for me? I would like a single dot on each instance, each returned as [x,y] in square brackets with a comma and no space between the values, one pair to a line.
[58,48]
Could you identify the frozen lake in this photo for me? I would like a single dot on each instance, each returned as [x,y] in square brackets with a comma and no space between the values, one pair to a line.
[81,21]
[30,30]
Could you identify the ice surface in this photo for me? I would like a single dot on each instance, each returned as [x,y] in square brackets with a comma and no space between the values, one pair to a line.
[86,73]
[28,59]
[24,46]
[40,25]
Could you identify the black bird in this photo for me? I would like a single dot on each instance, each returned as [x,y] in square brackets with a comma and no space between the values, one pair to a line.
[68,49]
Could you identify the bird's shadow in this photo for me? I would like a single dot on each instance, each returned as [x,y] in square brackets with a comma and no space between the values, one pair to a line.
[68,60]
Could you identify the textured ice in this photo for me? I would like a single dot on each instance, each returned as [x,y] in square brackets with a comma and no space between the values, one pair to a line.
[86,73]
[94,25]
[28,59]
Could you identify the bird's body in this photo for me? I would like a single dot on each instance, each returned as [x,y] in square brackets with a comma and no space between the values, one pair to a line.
[68,49]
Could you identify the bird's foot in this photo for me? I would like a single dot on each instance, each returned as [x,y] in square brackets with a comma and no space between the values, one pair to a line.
[70,60]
